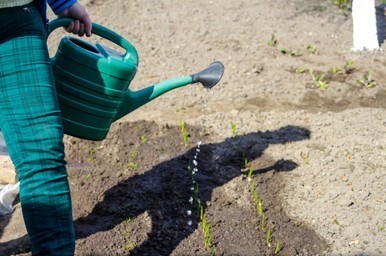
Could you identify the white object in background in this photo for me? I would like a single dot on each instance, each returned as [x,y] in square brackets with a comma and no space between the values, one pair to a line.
[3,147]
[7,170]
[8,192]
[364,25]
[8,195]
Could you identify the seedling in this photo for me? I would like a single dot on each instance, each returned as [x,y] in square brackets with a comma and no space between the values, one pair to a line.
[131,164]
[293,53]
[312,49]
[381,228]
[304,156]
[185,134]
[268,237]
[318,79]
[88,176]
[93,150]
[130,245]
[367,81]
[348,68]
[273,41]
[253,189]
[127,220]
[277,247]
[246,163]
[256,197]
[300,70]
[249,176]
[343,5]
[143,139]
[234,130]
[262,222]
[205,225]
[335,220]
[260,208]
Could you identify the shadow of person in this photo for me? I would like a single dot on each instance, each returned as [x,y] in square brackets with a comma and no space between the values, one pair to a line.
[163,192]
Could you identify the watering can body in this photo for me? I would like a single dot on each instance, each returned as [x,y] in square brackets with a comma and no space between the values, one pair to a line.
[92,82]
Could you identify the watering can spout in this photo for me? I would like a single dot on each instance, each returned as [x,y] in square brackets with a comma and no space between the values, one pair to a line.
[208,77]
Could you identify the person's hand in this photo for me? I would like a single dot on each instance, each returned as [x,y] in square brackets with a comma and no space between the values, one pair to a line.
[82,24]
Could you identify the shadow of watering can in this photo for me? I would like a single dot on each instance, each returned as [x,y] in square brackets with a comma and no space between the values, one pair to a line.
[92,82]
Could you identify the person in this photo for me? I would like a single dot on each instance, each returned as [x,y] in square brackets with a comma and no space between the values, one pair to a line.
[30,119]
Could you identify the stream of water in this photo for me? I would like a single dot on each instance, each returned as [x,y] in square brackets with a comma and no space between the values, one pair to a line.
[194,168]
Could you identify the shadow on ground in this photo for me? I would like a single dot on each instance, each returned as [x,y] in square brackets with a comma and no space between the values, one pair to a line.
[131,193]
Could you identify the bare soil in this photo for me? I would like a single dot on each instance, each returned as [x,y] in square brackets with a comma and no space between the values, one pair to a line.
[318,156]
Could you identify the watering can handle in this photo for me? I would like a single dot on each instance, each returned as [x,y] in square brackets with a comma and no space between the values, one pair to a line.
[131,52]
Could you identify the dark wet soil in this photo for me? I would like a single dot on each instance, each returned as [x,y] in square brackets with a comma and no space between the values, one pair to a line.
[131,194]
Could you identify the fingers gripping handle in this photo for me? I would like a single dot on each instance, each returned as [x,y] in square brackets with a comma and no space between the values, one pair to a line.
[131,52]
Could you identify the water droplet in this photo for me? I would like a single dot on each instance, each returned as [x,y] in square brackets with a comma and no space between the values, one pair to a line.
[198,149]
[199,143]
[191,200]
[189,212]
[191,188]
[195,162]
[190,223]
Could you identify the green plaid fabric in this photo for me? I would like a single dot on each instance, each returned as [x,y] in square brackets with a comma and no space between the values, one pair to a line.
[31,124]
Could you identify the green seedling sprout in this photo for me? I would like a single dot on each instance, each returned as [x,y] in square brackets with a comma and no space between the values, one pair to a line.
[346,69]
[256,197]
[234,130]
[262,220]
[127,220]
[250,171]
[130,245]
[205,225]
[131,164]
[367,81]
[277,247]
[336,70]
[292,53]
[300,70]
[185,134]
[312,49]
[87,177]
[273,41]
[343,5]
[206,230]
[318,79]
[143,139]
[93,149]
[335,220]
[260,208]
[246,163]
[268,237]
[253,187]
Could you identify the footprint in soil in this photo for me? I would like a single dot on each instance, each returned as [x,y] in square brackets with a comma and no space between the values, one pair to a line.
[163,191]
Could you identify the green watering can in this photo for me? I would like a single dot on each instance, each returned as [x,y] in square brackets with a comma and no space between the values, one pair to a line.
[92,82]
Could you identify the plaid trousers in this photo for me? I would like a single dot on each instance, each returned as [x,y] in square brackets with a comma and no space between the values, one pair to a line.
[31,123]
